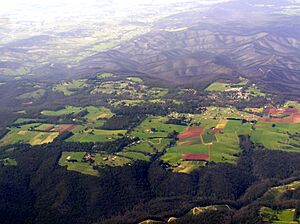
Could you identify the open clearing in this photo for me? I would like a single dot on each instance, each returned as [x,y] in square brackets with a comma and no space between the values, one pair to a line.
[85,134]
[286,216]
[75,161]
[223,87]
[133,89]
[69,88]
[37,94]
[65,111]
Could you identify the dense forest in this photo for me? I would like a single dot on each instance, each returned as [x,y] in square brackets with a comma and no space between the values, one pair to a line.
[38,190]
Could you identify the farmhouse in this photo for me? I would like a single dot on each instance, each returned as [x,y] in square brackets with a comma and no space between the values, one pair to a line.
[88,158]
[195,157]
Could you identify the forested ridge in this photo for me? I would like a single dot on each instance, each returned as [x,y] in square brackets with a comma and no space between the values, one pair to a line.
[38,190]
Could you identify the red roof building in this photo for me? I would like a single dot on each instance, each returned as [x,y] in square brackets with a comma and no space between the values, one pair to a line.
[195,157]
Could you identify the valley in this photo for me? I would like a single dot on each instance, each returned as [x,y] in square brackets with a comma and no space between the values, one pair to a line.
[150,112]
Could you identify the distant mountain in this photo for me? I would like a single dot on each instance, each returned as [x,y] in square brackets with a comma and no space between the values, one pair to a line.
[256,39]
[268,53]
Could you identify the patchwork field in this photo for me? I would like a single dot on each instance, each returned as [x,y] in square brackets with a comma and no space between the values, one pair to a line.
[27,134]
[218,137]
[36,133]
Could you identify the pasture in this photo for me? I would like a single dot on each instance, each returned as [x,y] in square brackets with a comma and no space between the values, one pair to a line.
[105,75]
[285,216]
[218,86]
[86,134]
[64,111]
[155,127]
[132,89]
[74,161]
[254,91]
[223,86]
[36,94]
[69,88]
[8,162]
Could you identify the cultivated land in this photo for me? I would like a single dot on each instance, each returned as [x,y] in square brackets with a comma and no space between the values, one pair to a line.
[116,115]
[219,137]
[28,134]
[213,133]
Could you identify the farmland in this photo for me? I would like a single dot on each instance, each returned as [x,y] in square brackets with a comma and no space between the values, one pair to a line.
[69,88]
[8,162]
[255,91]
[223,86]
[27,134]
[37,94]
[64,111]
[85,134]
[105,75]
[74,161]
[132,88]
[286,216]
[218,136]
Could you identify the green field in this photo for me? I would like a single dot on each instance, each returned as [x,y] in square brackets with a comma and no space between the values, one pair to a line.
[86,134]
[133,89]
[8,162]
[97,113]
[83,167]
[127,103]
[286,216]
[24,120]
[278,136]
[65,111]
[158,126]
[27,134]
[218,86]
[275,193]
[213,113]
[135,79]
[105,75]
[69,88]
[35,134]
[37,94]
[153,133]
[134,155]
[292,104]
[255,92]
[79,166]
[222,86]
